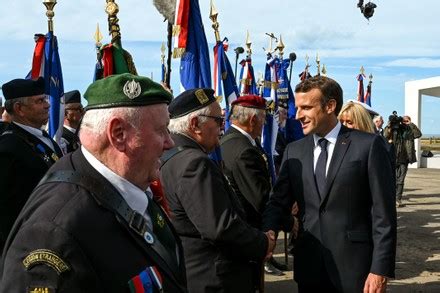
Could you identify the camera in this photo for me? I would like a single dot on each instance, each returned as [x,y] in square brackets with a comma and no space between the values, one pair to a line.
[368,9]
[395,121]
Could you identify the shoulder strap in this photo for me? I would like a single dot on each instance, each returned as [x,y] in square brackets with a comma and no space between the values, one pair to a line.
[170,153]
[111,199]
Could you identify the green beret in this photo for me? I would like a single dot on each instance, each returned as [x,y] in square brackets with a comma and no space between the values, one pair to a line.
[125,90]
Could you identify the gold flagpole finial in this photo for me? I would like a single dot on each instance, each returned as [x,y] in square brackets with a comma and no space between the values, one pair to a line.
[324,70]
[318,63]
[98,36]
[215,25]
[50,4]
[362,70]
[280,47]
[271,38]
[248,44]
[112,10]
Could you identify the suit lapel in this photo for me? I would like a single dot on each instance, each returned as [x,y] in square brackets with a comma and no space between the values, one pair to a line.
[171,271]
[341,147]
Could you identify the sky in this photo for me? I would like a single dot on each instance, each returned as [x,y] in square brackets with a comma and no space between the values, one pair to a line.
[399,43]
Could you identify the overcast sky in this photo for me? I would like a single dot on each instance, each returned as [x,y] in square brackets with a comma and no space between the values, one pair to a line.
[400,43]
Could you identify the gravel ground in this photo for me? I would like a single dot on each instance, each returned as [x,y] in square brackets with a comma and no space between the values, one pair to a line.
[418,240]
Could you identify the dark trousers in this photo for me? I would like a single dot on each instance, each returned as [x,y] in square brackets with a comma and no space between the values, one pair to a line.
[321,284]
[401,170]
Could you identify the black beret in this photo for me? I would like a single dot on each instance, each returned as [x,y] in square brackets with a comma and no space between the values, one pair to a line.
[190,101]
[19,88]
[72,97]
[125,90]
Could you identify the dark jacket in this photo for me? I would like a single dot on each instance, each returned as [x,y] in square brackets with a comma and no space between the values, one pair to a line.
[23,161]
[218,244]
[351,230]
[246,167]
[403,141]
[71,139]
[101,252]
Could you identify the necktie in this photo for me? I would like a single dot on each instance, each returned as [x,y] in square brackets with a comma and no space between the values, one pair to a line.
[45,134]
[321,164]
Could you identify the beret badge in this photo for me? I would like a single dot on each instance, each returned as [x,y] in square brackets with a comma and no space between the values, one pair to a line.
[132,89]
[201,96]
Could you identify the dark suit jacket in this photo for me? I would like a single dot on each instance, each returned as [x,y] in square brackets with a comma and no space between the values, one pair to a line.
[103,252]
[23,161]
[351,231]
[3,126]
[217,242]
[72,140]
[246,167]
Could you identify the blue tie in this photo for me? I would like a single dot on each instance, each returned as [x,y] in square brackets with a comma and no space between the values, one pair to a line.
[321,165]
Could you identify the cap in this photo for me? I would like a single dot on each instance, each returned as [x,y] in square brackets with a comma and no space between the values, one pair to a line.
[72,97]
[250,101]
[125,90]
[19,88]
[190,101]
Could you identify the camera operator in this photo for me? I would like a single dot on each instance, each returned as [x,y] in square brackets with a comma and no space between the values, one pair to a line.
[401,133]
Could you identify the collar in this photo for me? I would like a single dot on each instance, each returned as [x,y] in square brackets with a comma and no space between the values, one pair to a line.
[245,134]
[133,195]
[71,129]
[332,136]
[35,131]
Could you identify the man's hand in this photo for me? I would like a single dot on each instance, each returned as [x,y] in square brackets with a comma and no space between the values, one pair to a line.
[271,244]
[375,284]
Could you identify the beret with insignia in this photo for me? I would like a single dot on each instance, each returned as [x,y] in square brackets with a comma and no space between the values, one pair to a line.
[190,101]
[125,90]
[72,97]
[250,101]
[19,88]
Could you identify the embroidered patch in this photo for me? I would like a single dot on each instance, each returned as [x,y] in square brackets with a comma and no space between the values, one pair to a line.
[201,96]
[47,257]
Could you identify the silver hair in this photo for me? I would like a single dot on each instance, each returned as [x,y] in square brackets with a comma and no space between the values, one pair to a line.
[181,124]
[9,104]
[242,114]
[377,117]
[96,120]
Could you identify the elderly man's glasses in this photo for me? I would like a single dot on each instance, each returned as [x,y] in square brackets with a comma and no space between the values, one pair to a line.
[218,119]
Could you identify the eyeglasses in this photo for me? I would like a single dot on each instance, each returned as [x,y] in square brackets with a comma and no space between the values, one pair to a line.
[218,119]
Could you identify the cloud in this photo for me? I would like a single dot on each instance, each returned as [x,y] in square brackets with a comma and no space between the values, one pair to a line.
[414,62]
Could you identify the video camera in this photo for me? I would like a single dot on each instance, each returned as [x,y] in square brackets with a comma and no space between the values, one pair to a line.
[394,121]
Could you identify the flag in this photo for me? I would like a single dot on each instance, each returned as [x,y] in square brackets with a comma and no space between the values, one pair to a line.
[191,46]
[367,98]
[293,130]
[270,128]
[305,74]
[46,63]
[224,79]
[360,91]
[116,60]
[247,85]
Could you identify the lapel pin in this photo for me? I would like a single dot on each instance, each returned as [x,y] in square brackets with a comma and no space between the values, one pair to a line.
[149,238]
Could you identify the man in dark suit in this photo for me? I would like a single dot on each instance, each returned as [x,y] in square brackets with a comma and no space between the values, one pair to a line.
[73,111]
[221,249]
[341,180]
[89,225]
[26,152]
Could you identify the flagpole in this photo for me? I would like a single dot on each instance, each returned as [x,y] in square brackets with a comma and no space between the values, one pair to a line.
[50,4]
[112,10]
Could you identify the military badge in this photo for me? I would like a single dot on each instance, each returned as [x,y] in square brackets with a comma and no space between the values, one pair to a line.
[160,221]
[201,96]
[46,257]
[39,289]
[132,89]
[54,157]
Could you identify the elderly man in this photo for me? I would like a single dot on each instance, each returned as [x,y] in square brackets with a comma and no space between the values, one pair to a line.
[340,178]
[73,111]
[3,124]
[221,249]
[89,226]
[378,123]
[26,152]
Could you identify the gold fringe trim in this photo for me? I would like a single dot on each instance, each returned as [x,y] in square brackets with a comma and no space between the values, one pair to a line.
[176,29]
[178,52]
[130,63]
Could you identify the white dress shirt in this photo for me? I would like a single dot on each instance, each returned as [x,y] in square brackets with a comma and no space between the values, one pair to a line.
[332,136]
[245,134]
[37,133]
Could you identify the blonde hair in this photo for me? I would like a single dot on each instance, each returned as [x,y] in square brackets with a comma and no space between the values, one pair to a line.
[359,115]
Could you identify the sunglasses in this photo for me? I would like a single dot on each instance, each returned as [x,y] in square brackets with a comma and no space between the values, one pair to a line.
[218,119]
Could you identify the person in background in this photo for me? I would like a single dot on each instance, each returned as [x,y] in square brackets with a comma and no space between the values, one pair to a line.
[340,178]
[26,151]
[401,133]
[92,225]
[73,112]
[354,116]
[3,122]
[222,251]
[378,122]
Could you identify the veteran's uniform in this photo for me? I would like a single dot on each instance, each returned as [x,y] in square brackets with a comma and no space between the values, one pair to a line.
[26,153]
[220,248]
[69,136]
[78,233]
